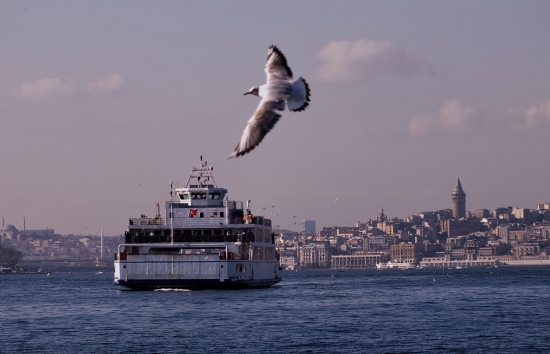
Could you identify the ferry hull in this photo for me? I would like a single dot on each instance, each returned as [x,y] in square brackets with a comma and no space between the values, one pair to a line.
[196,284]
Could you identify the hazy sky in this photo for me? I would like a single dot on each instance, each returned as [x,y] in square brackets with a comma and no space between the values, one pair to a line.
[103,104]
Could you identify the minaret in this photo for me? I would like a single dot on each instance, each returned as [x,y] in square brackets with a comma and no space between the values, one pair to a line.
[459,201]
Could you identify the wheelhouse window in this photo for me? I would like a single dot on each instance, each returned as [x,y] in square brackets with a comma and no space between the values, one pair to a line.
[184,196]
[215,195]
[198,195]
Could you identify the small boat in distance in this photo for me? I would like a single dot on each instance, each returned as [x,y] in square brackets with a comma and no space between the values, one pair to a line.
[205,241]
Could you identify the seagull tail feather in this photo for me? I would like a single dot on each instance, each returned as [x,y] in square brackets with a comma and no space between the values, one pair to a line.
[299,97]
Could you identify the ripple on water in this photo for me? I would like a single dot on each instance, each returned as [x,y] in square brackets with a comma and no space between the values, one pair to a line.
[468,311]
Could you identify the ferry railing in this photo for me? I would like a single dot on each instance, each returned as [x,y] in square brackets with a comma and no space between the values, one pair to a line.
[196,221]
[181,238]
[181,222]
[231,204]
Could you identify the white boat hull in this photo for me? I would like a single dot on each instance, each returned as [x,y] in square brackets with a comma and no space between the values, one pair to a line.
[193,272]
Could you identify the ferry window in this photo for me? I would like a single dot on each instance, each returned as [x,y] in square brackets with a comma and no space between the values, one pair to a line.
[259,235]
[214,195]
[198,195]
[217,232]
[187,232]
[207,232]
[196,232]
[222,214]
[258,253]
[184,196]
[201,215]
[269,253]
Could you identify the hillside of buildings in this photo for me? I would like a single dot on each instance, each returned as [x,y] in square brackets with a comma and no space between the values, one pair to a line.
[447,238]
[44,249]
[504,236]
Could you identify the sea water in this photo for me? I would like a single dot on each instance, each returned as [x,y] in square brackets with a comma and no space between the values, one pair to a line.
[474,310]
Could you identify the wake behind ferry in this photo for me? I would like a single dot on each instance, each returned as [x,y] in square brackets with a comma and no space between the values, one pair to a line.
[204,241]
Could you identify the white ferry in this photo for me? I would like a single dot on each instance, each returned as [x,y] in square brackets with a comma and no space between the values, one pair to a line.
[205,241]
[395,265]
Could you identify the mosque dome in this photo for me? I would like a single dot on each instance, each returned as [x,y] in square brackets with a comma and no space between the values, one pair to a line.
[10,228]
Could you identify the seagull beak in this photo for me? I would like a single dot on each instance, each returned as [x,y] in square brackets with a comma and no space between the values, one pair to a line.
[247,93]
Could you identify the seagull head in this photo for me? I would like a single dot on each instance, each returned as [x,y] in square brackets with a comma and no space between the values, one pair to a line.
[253,91]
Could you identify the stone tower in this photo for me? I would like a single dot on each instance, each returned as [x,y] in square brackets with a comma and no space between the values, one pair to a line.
[459,201]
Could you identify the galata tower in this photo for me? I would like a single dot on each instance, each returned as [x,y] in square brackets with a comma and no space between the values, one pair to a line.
[459,201]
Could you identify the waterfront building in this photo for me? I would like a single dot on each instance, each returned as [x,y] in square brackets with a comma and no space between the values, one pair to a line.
[446,262]
[358,261]
[288,260]
[405,252]
[315,256]
[526,249]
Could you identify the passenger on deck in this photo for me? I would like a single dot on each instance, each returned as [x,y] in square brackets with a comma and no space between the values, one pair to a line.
[250,236]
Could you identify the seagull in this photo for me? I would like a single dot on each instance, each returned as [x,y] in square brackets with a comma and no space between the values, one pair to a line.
[278,93]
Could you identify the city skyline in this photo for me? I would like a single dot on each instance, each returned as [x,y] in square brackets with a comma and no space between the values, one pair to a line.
[104,104]
[457,209]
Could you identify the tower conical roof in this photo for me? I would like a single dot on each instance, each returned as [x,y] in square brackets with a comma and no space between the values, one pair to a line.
[458,188]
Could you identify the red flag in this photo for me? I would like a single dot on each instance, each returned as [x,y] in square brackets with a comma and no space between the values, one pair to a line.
[193,212]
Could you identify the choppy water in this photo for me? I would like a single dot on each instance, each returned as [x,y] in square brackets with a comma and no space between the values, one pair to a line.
[503,310]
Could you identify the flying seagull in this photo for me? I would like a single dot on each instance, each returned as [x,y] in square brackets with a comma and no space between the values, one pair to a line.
[278,93]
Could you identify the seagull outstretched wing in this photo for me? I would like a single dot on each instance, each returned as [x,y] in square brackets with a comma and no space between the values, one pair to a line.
[276,66]
[262,121]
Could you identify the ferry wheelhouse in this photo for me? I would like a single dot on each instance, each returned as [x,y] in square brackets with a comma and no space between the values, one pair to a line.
[204,241]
